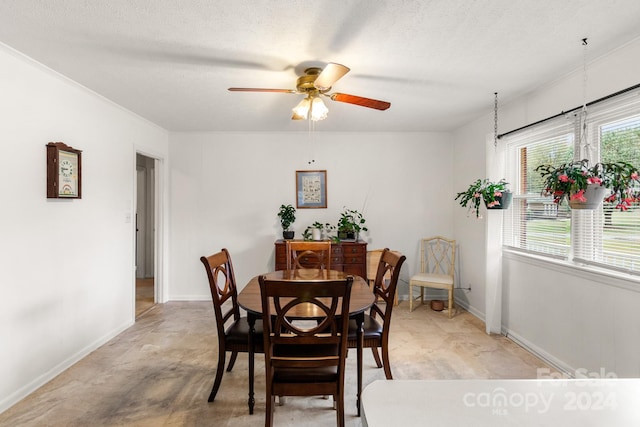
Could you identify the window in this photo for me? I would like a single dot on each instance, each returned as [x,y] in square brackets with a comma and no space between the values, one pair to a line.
[605,237]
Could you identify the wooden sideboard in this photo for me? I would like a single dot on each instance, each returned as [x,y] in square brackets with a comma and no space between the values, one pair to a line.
[350,257]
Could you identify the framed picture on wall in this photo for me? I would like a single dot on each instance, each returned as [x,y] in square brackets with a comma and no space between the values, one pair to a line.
[311,189]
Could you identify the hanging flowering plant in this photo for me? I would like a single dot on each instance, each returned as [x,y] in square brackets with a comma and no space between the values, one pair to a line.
[570,180]
[623,180]
[482,190]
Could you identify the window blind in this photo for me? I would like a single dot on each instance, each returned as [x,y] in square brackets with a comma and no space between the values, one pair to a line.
[606,237]
[535,223]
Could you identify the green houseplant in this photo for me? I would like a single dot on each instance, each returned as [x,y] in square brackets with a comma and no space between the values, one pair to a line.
[350,224]
[495,195]
[287,214]
[314,231]
[585,186]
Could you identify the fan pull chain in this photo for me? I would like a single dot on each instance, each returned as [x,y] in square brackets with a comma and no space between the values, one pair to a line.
[495,121]
[311,138]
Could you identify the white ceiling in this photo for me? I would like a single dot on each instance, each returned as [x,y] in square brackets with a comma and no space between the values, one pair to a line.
[437,61]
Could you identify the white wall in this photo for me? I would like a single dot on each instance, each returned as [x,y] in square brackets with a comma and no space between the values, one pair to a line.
[469,231]
[226,189]
[66,266]
[586,322]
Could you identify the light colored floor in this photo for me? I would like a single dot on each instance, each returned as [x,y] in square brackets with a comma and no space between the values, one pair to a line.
[144,295]
[160,371]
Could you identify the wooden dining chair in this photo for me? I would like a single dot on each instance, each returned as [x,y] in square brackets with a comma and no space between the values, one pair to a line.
[232,329]
[302,254]
[373,259]
[377,323]
[305,359]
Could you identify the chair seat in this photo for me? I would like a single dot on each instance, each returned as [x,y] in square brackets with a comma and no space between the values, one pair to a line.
[238,332]
[372,329]
[443,279]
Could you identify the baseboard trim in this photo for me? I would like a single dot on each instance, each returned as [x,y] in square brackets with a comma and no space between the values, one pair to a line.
[186,298]
[556,363]
[471,310]
[41,380]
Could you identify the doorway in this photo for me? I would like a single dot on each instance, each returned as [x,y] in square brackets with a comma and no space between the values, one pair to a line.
[145,235]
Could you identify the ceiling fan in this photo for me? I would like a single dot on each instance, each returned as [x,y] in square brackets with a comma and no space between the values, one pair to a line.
[317,82]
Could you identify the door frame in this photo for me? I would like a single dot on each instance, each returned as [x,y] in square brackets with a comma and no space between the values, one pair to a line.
[159,230]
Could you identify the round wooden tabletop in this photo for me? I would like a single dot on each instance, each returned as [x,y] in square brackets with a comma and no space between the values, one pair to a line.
[362,296]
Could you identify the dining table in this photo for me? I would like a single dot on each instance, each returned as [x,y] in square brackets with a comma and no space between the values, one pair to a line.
[362,298]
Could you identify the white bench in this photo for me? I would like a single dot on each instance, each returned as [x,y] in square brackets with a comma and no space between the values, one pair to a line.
[546,402]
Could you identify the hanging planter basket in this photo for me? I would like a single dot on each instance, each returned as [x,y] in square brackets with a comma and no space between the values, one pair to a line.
[504,201]
[594,194]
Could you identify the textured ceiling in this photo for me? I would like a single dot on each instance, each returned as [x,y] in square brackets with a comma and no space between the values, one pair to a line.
[438,62]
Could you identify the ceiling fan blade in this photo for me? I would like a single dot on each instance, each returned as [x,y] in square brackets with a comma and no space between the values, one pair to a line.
[359,100]
[256,89]
[329,75]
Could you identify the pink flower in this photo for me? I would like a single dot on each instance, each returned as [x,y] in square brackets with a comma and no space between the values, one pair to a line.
[476,195]
[497,193]
[563,178]
[634,175]
[579,196]
[494,203]
[594,180]
[622,207]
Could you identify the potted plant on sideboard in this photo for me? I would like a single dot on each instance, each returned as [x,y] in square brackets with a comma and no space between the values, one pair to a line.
[495,195]
[315,231]
[287,214]
[350,224]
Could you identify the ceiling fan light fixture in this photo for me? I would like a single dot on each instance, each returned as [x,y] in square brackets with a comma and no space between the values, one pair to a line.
[317,82]
[319,111]
[301,111]
[310,107]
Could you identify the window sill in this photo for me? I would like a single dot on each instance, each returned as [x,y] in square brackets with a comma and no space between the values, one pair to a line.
[588,272]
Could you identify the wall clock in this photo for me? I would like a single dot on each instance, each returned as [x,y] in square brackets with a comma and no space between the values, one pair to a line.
[64,171]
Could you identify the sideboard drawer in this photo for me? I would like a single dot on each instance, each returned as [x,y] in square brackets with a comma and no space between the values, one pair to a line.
[354,259]
[335,260]
[354,248]
[357,269]
[350,257]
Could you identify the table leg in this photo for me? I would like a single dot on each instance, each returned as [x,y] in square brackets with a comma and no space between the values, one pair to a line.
[360,336]
[252,329]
